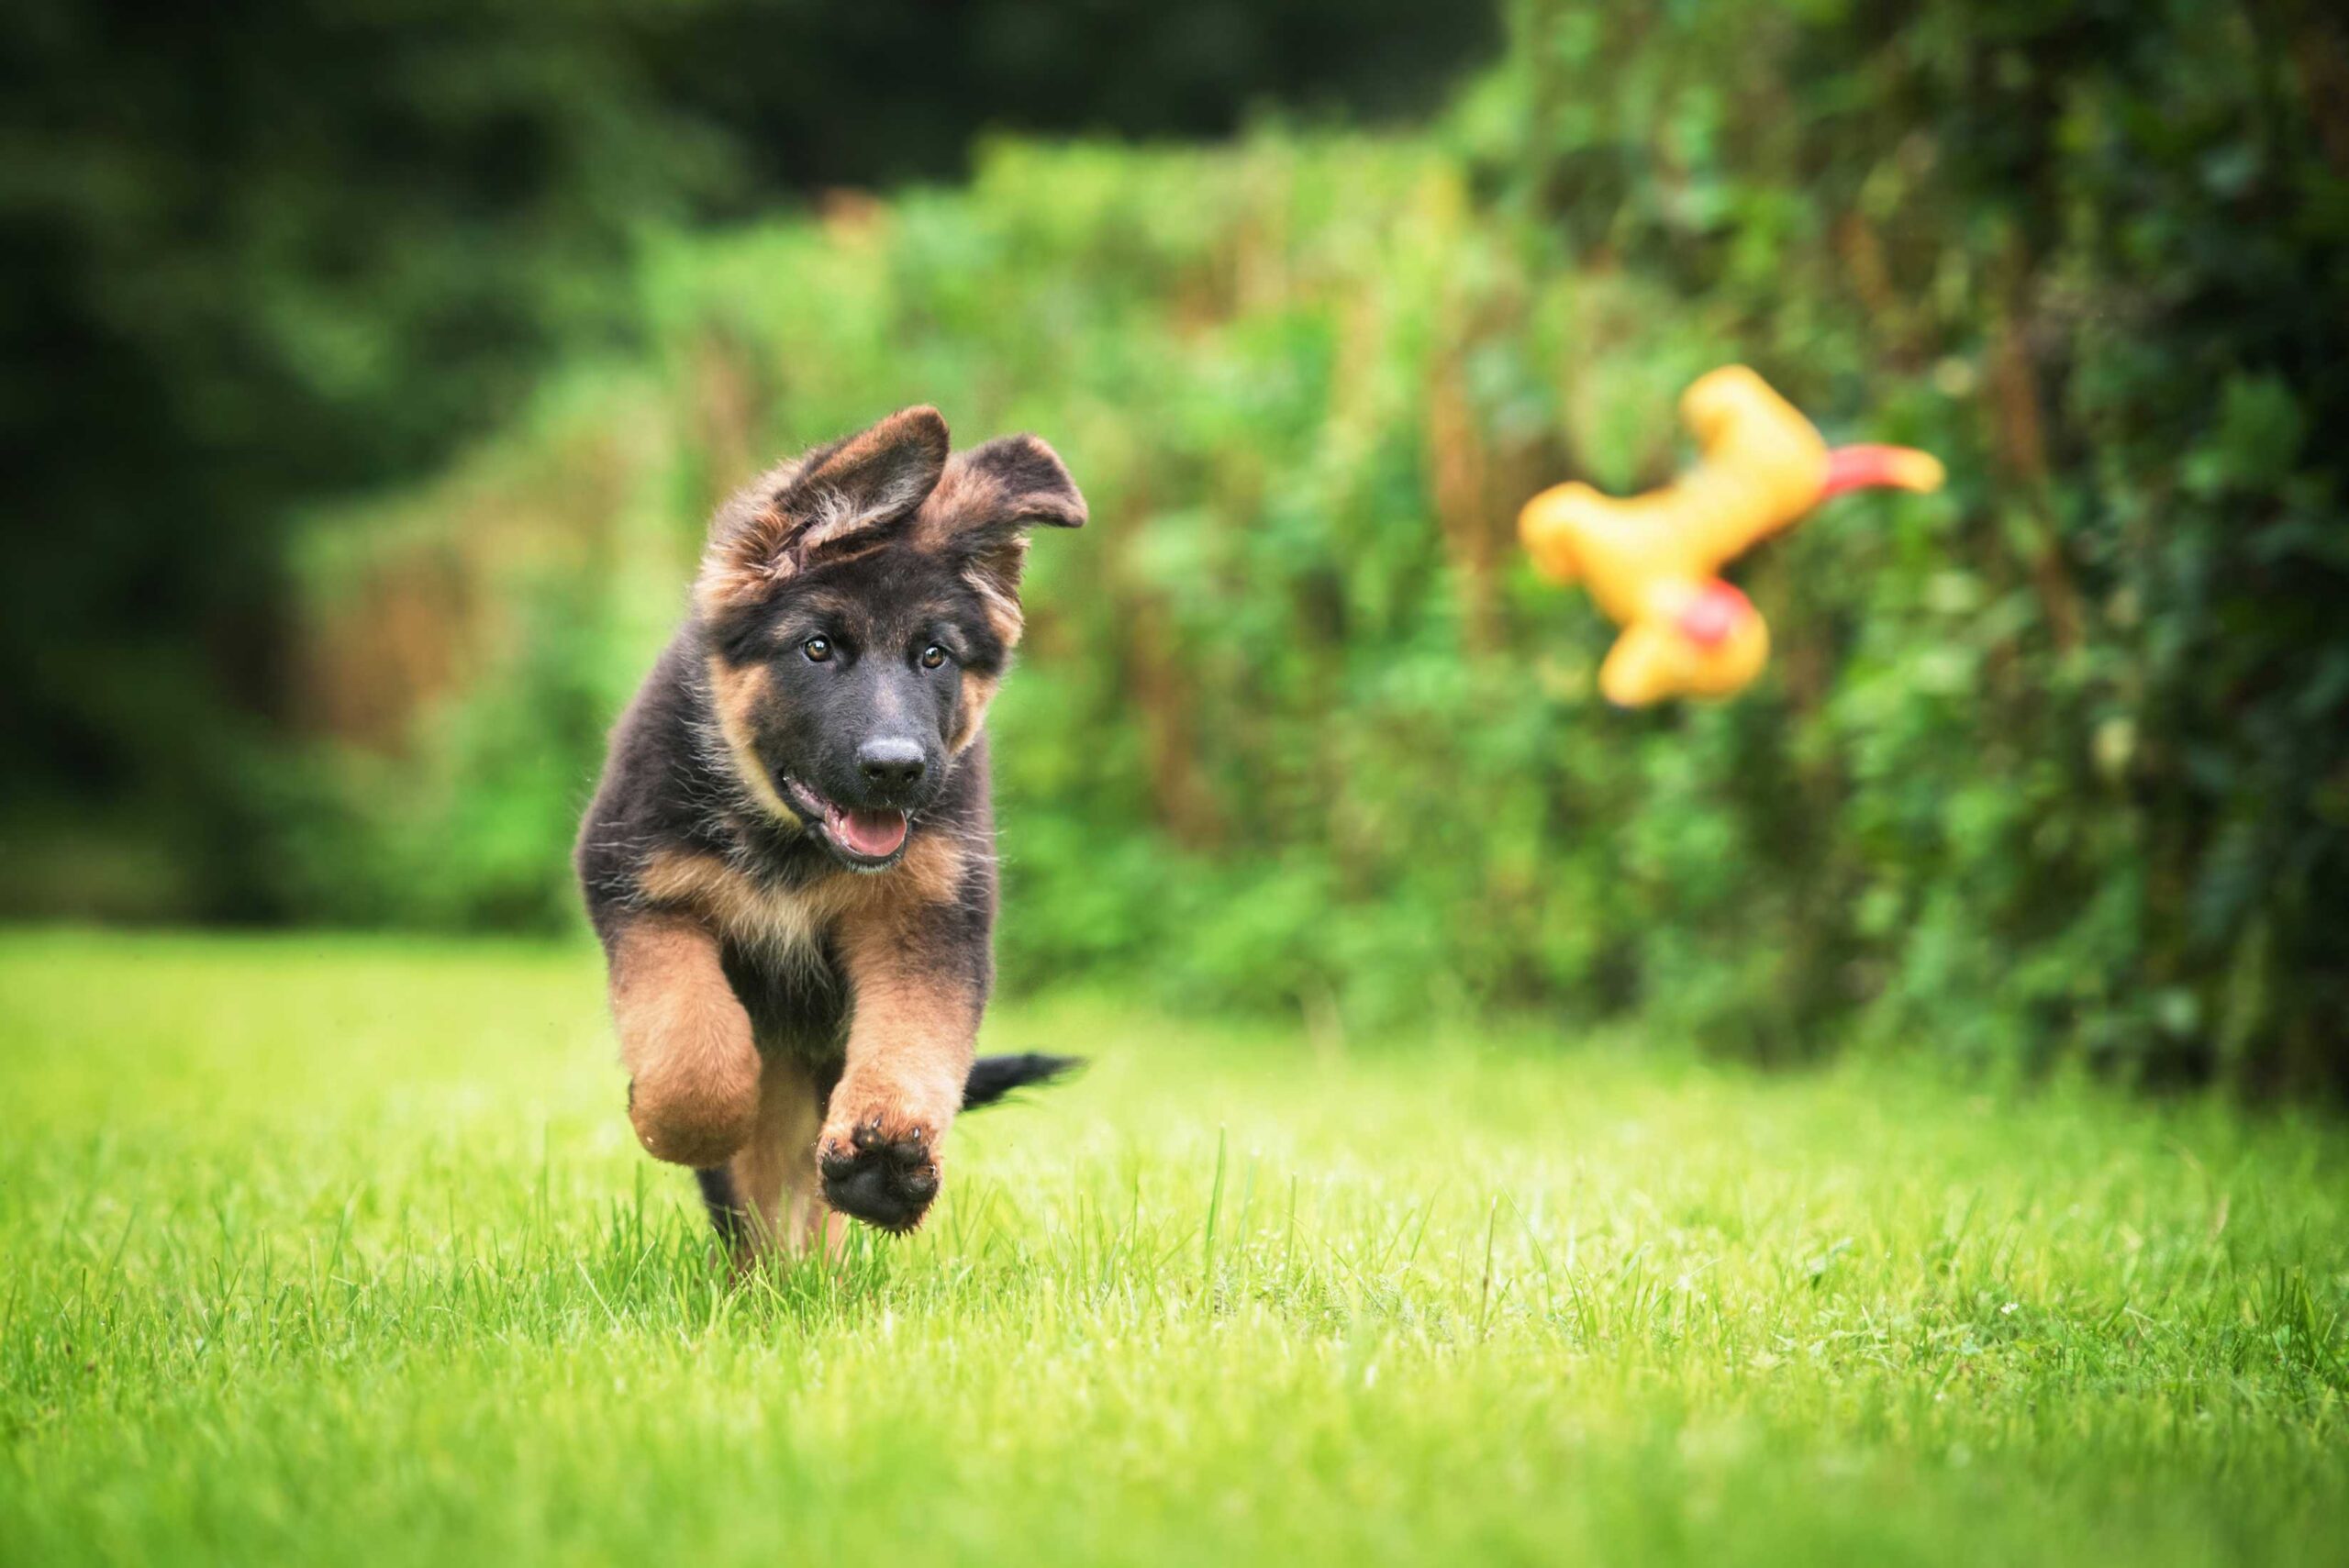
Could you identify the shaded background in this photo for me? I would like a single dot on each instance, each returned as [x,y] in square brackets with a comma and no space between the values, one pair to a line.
[370,371]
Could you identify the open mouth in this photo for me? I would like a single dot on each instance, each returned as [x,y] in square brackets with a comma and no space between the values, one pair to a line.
[866,840]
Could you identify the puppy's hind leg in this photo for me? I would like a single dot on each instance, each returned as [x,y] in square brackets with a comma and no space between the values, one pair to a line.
[773,1202]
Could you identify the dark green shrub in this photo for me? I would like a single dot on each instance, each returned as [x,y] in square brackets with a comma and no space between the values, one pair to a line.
[2054,763]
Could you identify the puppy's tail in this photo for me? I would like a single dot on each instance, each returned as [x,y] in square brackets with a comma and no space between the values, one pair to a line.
[992,1078]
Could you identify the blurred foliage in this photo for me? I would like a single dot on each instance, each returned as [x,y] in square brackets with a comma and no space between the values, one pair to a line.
[2054,763]
[255,255]
[2082,735]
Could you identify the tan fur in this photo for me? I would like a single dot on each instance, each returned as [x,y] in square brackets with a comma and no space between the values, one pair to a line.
[783,925]
[876,477]
[966,495]
[1005,617]
[736,692]
[932,873]
[780,921]
[912,955]
[693,1069]
[911,1032]
[910,1039]
[978,691]
[699,1093]
[774,1175]
[963,494]
[747,558]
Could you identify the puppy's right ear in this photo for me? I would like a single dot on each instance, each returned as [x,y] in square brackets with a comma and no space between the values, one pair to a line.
[852,491]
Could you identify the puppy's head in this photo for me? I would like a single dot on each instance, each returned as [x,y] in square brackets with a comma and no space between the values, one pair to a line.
[858,606]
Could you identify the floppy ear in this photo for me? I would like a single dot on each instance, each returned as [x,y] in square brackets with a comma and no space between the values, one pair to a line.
[850,492]
[980,512]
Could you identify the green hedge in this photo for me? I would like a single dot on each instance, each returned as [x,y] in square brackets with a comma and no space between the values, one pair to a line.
[2113,238]
[2052,763]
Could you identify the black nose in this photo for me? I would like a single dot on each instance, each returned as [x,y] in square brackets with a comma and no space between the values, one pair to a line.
[892,763]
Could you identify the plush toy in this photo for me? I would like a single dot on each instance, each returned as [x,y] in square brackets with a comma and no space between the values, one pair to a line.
[1651,560]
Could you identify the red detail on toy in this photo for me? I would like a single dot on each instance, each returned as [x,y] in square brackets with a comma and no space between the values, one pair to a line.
[1870,467]
[1713,613]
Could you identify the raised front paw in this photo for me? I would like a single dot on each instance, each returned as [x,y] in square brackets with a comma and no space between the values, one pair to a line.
[882,1172]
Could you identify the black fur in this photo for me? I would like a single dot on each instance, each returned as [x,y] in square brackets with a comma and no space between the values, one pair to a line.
[993,1077]
[668,785]
[874,620]
[746,709]
[726,1215]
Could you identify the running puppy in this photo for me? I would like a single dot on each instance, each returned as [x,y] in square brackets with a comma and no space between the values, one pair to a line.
[790,857]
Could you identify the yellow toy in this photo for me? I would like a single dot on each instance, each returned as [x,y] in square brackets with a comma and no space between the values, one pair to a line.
[1652,561]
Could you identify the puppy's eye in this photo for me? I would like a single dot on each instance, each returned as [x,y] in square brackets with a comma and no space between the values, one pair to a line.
[932,657]
[818,648]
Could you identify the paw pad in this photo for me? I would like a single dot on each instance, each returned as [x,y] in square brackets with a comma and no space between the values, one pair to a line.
[885,1180]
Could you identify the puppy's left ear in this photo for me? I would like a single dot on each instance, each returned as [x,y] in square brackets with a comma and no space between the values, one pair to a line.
[982,510]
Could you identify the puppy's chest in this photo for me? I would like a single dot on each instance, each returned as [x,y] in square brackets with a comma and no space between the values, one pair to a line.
[768,922]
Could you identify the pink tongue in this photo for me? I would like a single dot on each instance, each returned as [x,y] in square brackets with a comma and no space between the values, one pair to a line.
[873,833]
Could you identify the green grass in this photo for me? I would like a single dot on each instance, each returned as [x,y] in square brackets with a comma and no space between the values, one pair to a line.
[331,1251]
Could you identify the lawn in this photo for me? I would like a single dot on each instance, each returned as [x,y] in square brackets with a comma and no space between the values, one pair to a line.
[338,1250]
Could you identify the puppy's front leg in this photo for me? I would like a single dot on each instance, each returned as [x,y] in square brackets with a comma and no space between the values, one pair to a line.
[693,1069]
[917,995]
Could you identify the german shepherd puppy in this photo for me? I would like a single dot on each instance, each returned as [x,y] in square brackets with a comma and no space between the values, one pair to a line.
[790,857]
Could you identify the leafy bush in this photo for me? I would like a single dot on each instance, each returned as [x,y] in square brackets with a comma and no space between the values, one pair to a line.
[263,256]
[2051,764]
[2085,745]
